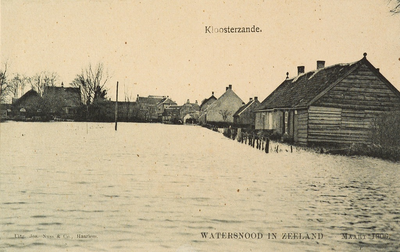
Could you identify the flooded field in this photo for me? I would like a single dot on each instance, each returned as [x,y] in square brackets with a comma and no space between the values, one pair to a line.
[154,187]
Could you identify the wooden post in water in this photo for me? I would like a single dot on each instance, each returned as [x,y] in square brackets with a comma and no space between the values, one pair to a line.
[116,108]
[267,146]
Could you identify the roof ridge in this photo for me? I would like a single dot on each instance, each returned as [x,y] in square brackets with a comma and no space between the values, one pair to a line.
[245,106]
[306,88]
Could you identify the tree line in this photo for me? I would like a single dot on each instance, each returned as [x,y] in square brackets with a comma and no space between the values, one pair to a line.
[91,81]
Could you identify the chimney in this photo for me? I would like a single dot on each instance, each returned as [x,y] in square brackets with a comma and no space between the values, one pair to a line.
[196,101]
[187,101]
[212,93]
[256,98]
[250,99]
[300,70]
[226,88]
[287,75]
[230,86]
[377,69]
[62,84]
[320,64]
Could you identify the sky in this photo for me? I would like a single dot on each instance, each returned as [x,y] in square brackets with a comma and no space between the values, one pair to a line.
[162,48]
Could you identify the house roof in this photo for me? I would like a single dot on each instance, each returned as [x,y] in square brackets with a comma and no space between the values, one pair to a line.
[151,99]
[305,89]
[166,100]
[66,89]
[71,96]
[244,107]
[193,106]
[30,93]
[208,99]
[228,93]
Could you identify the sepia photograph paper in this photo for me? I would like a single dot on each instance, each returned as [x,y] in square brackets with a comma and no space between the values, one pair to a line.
[200,125]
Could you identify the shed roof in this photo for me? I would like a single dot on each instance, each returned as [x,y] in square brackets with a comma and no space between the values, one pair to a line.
[300,91]
[303,90]
[245,107]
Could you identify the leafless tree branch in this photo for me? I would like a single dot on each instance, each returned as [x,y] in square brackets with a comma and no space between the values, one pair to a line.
[91,81]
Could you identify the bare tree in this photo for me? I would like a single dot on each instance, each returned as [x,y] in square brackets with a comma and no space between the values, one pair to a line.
[4,88]
[128,95]
[43,79]
[91,81]
[225,113]
[18,83]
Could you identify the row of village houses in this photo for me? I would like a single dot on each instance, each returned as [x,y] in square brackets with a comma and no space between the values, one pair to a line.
[337,104]
[333,104]
[65,103]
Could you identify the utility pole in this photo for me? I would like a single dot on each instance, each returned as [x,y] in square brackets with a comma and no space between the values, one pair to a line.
[116,108]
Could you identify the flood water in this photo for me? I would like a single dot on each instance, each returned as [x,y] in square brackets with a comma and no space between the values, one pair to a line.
[152,187]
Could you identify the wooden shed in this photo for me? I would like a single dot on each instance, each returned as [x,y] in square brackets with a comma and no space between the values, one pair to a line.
[331,105]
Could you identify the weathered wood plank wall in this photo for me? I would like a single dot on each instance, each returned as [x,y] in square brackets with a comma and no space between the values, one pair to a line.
[345,114]
[301,130]
[361,90]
